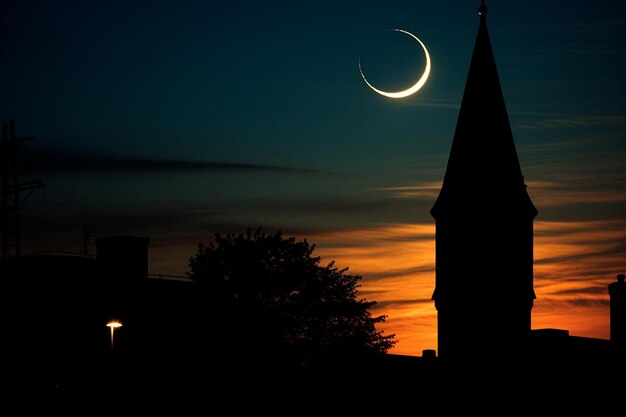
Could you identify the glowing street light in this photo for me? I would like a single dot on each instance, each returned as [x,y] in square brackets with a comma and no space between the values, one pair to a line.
[113,324]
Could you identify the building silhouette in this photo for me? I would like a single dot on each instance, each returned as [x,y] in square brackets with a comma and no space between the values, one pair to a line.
[61,303]
[484,254]
[617,292]
[484,225]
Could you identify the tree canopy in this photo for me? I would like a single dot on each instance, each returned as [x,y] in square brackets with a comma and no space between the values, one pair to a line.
[272,295]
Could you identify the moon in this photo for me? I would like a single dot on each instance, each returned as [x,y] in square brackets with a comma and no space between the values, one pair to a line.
[412,89]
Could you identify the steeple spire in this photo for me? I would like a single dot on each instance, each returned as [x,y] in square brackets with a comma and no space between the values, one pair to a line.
[482,10]
[483,166]
[484,225]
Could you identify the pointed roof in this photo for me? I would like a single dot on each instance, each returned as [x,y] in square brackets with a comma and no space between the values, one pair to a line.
[483,172]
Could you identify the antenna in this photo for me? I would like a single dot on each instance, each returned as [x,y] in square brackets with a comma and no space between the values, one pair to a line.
[13,193]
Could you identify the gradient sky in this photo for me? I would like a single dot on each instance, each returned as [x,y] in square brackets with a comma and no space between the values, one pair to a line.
[178,119]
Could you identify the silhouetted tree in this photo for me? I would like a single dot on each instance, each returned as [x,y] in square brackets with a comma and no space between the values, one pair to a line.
[273,298]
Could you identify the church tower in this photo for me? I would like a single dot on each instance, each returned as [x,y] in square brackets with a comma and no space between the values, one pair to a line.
[484,226]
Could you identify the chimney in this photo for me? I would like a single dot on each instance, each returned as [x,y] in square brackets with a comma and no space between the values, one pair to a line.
[617,293]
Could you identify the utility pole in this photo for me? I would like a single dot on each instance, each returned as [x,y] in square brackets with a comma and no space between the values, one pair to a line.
[14,193]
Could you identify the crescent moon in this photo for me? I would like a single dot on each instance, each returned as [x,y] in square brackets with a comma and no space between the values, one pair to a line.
[412,89]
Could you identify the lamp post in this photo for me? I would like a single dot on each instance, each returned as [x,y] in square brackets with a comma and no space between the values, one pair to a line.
[113,324]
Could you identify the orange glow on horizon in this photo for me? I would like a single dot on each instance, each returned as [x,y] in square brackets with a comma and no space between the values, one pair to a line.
[397,263]
[574,263]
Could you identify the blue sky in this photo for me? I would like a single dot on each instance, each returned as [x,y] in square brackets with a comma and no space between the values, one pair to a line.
[175,120]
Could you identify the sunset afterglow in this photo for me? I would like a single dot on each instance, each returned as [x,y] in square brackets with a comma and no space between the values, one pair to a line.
[175,122]
[574,263]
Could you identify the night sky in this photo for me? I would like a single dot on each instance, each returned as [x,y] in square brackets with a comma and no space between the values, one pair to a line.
[178,119]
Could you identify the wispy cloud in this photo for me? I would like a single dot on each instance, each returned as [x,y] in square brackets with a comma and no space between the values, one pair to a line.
[397,264]
[591,290]
[575,144]
[435,103]
[570,244]
[61,161]
[394,303]
[587,302]
[574,263]
[574,260]
[578,190]
[575,122]
[429,190]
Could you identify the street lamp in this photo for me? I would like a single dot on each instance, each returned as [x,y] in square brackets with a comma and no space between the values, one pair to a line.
[113,324]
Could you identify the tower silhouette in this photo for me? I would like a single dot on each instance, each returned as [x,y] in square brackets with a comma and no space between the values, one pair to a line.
[484,225]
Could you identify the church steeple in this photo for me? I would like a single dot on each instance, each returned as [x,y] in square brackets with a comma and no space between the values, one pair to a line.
[483,167]
[484,225]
